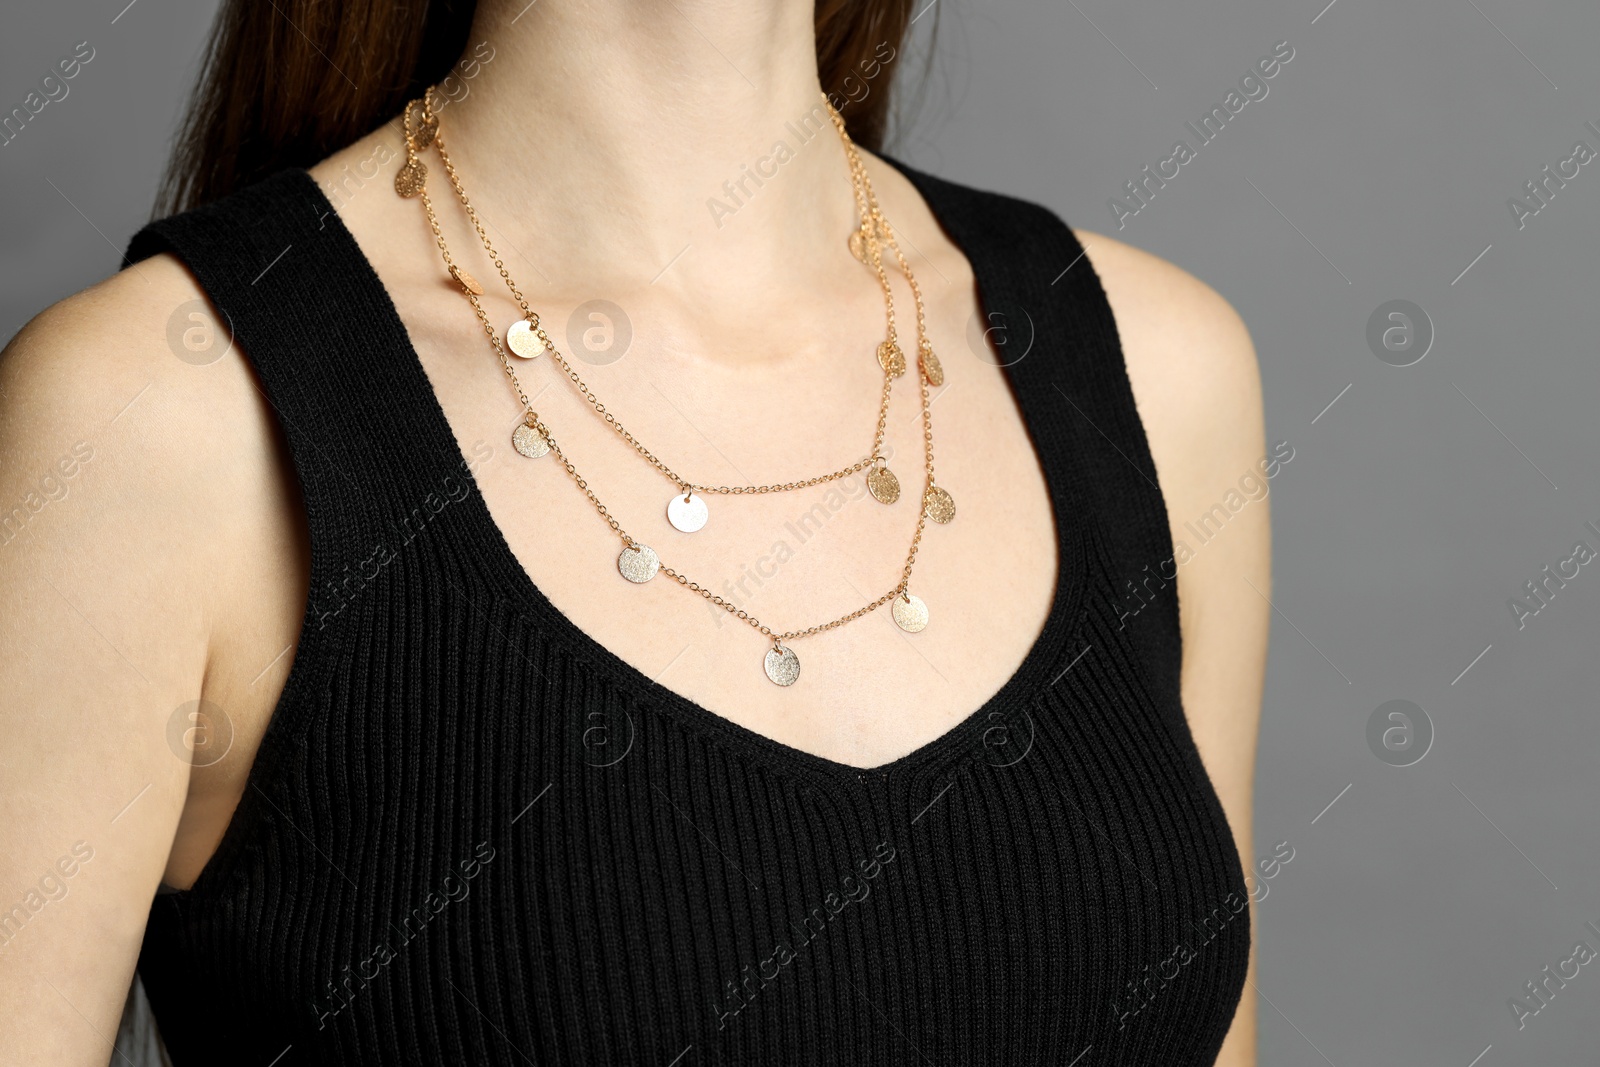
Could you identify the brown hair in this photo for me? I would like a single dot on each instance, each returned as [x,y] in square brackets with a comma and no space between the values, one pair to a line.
[287,83]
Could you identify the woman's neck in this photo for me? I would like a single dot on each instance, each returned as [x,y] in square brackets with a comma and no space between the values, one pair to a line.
[619,137]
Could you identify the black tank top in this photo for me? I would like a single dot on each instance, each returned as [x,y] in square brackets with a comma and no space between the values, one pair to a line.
[472,835]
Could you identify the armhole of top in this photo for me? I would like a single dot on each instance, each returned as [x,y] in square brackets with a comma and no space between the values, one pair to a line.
[315,644]
[1148,499]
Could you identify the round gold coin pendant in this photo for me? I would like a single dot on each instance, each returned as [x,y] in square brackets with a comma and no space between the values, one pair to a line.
[688,512]
[412,177]
[783,666]
[466,281]
[883,485]
[529,441]
[638,563]
[891,359]
[932,369]
[522,340]
[938,505]
[910,613]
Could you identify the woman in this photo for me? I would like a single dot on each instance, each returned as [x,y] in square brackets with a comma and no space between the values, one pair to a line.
[401,708]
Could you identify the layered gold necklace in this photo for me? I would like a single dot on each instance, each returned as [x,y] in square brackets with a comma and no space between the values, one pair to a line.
[687,511]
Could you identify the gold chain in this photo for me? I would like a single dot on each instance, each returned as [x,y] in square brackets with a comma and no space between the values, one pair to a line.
[535,322]
[422,130]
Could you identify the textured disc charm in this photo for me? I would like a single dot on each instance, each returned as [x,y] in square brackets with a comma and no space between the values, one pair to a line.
[858,245]
[783,666]
[891,359]
[522,340]
[932,369]
[529,441]
[688,512]
[412,177]
[938,505]
[466,281]
[883,485]
[425,133]
[639,563]
[910,613]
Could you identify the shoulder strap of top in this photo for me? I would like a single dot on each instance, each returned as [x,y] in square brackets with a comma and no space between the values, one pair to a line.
[321,333]
[1053,327]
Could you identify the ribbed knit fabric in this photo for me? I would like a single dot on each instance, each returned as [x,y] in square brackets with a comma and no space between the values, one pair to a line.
[472,835]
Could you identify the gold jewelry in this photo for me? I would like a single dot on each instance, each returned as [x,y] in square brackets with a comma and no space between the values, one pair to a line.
[637,562]
[527,339]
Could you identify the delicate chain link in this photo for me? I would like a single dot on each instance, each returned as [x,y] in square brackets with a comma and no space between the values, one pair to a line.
[876,234]
[535,321]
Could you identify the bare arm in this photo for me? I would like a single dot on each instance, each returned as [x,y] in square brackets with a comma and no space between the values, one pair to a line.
[119,479]
[1194,376]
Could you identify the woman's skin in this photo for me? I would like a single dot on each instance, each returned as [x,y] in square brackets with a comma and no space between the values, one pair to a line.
[175,566]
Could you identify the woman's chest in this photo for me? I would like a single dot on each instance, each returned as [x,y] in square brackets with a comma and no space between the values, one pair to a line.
[523,853]
[811,568]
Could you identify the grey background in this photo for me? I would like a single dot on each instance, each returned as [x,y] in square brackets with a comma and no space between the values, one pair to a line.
[1414,508]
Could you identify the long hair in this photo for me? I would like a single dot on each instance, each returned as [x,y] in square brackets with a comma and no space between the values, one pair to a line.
[288,83]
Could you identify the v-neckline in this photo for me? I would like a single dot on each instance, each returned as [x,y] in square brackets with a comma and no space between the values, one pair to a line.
[513,580]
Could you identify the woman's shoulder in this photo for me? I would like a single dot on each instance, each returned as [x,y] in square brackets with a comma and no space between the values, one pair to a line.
[107,366]
[140,475]
[1192,367]
[130,366]
[1188,351]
